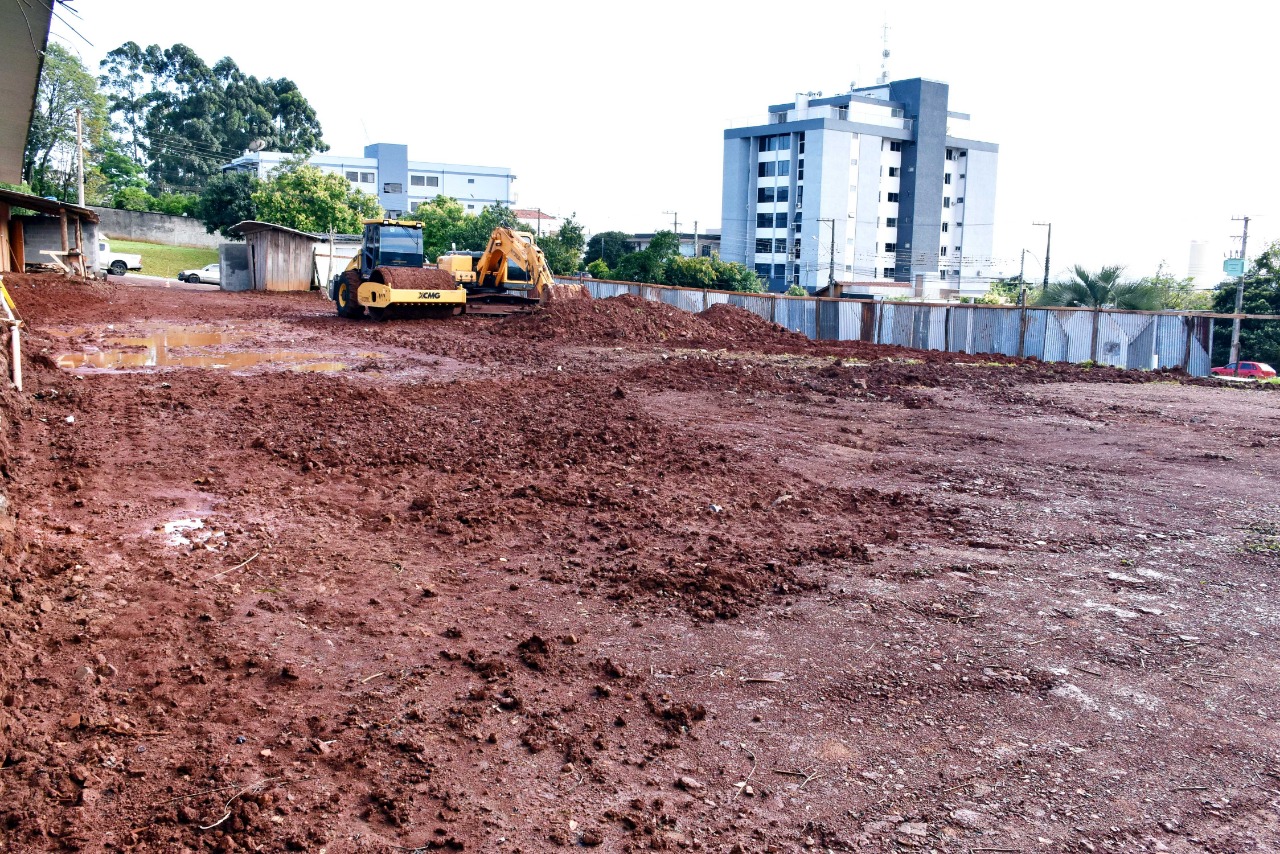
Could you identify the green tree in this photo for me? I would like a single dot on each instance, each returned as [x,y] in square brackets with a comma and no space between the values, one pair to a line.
[131,199]
[226,200]
[796,291]
[49,160]
[564,248]
[1259,339]
[301,196]
[1177,294]
[609,246]
[732,276]
[690,272]
[599,269]
[1102,289]
[182,119]
[443,225]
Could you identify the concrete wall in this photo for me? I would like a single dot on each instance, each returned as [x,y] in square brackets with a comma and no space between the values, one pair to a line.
[156,228]
[45,232]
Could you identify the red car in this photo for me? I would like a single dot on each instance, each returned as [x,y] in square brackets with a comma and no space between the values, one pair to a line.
[1252,370]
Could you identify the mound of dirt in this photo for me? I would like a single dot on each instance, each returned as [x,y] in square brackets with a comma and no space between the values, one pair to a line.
[739,326]
[620,318]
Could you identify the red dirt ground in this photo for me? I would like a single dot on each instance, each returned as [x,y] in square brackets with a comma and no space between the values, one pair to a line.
[617,576]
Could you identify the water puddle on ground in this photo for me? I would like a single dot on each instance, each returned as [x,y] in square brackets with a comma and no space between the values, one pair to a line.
[180,347]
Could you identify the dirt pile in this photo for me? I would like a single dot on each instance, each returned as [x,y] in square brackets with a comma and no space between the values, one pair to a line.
[743,328]
[619,319]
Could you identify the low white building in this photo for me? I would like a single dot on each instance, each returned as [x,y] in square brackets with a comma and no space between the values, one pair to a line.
[400,184]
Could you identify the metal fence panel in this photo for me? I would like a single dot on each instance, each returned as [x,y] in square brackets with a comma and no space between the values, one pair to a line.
[850,321]
[1124,339]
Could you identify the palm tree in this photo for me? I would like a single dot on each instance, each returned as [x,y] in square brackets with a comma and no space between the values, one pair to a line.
[1102,289]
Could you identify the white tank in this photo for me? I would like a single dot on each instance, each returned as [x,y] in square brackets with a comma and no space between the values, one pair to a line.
[1202,269]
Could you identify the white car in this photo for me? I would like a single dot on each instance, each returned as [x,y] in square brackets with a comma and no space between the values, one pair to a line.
[208,274]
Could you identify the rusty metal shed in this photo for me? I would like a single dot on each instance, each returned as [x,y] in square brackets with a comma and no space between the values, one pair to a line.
[280,258]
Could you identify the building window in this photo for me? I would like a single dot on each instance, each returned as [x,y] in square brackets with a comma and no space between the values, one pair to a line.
[946,203]
[800,169]
[887,273]
[471,207]
[893,171]
[784,142]
[892,222]
[781,142]
[764,220]
[894,145]
[389,187]
[779,271]
[951,154]
[763,270]
[784,168]
[782,194]
[893,197]
[779,220]
[891,247]
[942,274]
[764,195]
[353,176]
[366,177]
[417,180]
[766,168]
[943,252]
[780,245]
[795,250]
[946,179]
[960,200]
[799,195]
[471,180]
[764,244]
[959,225]
[433,181]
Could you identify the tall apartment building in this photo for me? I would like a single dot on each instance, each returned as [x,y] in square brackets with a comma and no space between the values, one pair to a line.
[909,195]
[400,184]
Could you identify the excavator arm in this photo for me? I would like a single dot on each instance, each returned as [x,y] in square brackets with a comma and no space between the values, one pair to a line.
[517,247]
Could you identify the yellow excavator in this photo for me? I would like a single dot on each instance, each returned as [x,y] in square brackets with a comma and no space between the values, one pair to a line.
[510,276]
[388,274]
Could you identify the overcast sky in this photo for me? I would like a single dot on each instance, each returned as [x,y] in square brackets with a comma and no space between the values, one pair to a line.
[1134,128]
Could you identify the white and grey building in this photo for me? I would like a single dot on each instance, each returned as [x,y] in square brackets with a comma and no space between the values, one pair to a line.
[400,184]
[910,195]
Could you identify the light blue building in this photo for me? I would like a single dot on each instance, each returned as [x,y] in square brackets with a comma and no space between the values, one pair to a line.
[887,169]
[400,184]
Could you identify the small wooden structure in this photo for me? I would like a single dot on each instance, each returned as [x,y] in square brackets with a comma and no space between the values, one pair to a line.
[75,255]
[280,258]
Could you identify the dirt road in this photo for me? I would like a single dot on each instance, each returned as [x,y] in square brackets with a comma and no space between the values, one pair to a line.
[619,576]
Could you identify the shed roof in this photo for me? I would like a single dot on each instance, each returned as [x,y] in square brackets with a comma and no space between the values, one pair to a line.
[45,206]
[252,226]
[24,32]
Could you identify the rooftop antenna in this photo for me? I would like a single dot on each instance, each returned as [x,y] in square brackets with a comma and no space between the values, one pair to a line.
[884,57]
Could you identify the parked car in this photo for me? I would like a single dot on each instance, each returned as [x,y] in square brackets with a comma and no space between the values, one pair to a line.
[1252,370]
[208,274]
[115,263]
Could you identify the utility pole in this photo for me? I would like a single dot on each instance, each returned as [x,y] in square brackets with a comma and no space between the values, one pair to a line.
[1048,242]
[79,159]
[695,238]
[1235,321]
[1022,279]
[539,210]
[831,273]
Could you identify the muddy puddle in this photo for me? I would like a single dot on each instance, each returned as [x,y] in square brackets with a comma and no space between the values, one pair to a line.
[189,347]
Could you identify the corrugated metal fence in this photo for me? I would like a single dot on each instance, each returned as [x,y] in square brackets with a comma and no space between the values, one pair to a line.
[1125,339]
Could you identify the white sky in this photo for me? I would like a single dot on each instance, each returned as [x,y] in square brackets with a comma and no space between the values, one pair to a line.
[1134,128]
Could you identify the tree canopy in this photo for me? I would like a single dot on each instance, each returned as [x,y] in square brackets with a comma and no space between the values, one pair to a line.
[608,246]
[1259,339]
[301,196]
[564,248]
[446,226]
[226,200]
[49,160]
[1101,289]
[662,264]
[182,119]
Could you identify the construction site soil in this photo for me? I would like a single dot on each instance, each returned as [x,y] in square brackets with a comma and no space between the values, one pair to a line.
[616,576]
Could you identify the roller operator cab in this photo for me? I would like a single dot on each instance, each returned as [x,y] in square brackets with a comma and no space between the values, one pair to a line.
[388,274]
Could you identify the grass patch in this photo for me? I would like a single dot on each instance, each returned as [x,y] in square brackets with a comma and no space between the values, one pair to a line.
[1263,539]
[161,260]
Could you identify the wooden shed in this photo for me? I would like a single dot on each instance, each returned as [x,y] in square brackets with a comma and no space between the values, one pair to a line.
[65,235]
[280,258]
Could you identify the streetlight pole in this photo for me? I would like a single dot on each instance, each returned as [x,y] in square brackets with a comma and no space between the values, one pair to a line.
[1235,321]
[1048,242]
